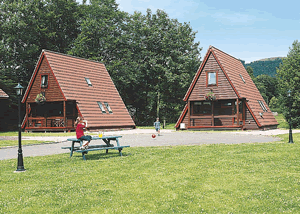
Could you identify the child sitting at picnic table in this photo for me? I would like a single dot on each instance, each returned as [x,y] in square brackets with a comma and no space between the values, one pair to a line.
[80,124]
[157,126]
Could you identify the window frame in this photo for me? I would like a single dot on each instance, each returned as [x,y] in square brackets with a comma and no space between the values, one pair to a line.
[108,107]
[101,107]
[46,79]
[88,81]
[207,78]
[262,105]
[242,78]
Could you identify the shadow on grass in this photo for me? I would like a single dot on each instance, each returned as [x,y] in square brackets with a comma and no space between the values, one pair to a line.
[99,156]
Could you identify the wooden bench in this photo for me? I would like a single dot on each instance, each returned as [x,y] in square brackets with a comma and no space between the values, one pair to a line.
[106,146]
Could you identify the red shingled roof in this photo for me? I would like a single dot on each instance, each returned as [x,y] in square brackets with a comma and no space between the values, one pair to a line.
[232,69]
[3,95]
[70,73]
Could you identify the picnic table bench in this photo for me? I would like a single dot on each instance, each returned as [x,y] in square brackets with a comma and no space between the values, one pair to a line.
[106,146]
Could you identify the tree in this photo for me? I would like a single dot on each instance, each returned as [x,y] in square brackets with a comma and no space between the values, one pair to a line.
[288,79]
[250,72]
[151,58]
[267,86]
[27,27]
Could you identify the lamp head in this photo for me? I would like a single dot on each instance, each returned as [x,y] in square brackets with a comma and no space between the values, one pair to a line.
[289,93]
[19,89]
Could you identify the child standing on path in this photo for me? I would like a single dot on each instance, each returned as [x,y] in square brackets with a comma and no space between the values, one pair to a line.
[157,126]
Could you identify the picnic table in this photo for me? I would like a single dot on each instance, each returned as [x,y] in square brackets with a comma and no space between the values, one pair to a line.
[107,140]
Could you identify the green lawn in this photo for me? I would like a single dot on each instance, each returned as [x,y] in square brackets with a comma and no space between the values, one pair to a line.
[5,143]
[283,124]
[243,178]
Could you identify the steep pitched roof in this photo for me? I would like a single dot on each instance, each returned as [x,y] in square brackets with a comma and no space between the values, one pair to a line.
[71,72]
[3,95]
[235,72]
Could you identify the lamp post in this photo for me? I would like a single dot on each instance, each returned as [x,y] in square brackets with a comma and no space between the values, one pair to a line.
[290,122]
[20,167]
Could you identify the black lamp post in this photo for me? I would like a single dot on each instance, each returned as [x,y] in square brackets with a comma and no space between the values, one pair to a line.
[290,122]
[20,168]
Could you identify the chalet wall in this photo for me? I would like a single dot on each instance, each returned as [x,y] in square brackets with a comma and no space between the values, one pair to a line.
[52,93]
[222,90]
[250,123]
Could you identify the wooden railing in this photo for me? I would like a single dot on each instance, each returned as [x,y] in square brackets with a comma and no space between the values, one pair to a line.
[43,122]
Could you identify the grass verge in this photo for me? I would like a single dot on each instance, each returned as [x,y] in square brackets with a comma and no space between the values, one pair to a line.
[6,143]
[240,178]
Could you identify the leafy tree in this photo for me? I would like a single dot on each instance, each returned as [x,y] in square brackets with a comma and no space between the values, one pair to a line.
[27,27]
[250,72]
[288,79]
[151,58]
[267,86]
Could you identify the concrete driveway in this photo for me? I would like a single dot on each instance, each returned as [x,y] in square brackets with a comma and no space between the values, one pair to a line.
[143,138]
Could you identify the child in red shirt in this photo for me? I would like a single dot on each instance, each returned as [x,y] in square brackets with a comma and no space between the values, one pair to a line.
[80,124]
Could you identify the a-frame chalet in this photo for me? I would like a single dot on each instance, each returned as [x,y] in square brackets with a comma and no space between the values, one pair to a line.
[222,95]
[63,87]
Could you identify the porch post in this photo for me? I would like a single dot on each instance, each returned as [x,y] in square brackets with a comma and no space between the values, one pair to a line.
[189,113]
[212,114]
[237,112]
[65,122]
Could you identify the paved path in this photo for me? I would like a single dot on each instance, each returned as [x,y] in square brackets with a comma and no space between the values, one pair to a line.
[142,138]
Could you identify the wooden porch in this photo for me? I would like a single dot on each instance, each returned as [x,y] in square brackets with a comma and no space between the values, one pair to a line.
[216,114]
[51,116]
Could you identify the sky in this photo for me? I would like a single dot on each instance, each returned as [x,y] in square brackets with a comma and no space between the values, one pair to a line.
[247,30]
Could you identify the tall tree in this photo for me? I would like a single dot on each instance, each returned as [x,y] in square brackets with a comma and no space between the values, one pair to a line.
[27,27]
[288,78]
[151,57]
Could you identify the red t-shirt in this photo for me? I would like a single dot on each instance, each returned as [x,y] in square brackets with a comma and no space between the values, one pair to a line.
[79,130]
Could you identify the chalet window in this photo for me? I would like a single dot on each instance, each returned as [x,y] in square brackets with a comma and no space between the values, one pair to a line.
[201,108]
[88,81]
[242,78]
[108,107]
[101,107]
[223,108]
[211,78]
[262,105]
[44,81]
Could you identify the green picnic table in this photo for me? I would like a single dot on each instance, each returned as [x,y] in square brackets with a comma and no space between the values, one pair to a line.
[107,140]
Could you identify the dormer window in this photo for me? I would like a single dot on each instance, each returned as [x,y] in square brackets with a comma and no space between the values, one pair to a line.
[242,78]
[211,78]
[44,81]
[101,107]
[108,107]
[88,81]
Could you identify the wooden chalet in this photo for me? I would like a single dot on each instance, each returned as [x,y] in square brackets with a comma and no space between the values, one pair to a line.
[63,87]
[3,95]
[222,95]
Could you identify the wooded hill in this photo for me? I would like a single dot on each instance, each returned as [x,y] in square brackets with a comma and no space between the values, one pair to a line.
[265,66]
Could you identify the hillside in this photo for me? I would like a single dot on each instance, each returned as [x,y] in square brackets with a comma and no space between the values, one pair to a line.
[265,66]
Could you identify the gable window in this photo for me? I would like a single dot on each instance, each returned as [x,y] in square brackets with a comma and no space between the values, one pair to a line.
[44,81]
[242,78]
[262,105]
[108,107]
[211,78]
[101,107]
[88,81]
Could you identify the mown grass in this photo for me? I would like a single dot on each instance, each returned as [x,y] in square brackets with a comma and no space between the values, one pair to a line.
[6,143]
[242,178]
[283,124]
[38,134]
